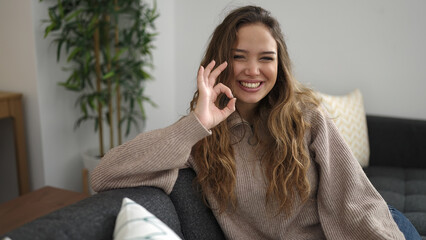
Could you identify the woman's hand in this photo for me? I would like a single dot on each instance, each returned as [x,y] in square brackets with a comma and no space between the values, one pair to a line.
[205,109]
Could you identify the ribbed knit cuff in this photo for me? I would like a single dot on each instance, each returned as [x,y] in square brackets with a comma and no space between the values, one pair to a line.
[190,129]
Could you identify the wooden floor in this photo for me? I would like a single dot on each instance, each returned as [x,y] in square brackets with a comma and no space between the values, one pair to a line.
[33,205]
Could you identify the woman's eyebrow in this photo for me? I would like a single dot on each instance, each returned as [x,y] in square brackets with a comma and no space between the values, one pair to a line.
[239,50]
[245,51]
[268,52]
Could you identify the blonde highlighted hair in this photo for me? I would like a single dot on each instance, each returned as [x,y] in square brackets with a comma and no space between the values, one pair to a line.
[286,159]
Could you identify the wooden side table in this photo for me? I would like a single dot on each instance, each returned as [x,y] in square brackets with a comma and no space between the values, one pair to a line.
[11,106]
[30,206]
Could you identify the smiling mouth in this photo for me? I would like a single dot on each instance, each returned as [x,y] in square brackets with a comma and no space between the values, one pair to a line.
[250,84]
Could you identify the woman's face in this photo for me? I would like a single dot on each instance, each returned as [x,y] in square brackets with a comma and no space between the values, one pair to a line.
[255,64]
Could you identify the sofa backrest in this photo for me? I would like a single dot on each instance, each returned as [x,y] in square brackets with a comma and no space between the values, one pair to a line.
[397,142]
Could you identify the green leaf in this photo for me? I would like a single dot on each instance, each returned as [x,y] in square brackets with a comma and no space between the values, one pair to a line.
[91,102]
[108,75]
[141,108]
[152,103]
[71,87]
[58,50]
[52,14]
[79,121]
[130,120]
[73,15]
[107,118]
[61,10]
[120,52]
[73,53]
[87,62]
[49,29]
[93,21]
[83,108]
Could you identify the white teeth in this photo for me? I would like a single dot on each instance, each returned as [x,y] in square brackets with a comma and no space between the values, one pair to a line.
[250,85]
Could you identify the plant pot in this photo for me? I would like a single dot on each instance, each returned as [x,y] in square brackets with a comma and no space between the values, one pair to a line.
[90,160]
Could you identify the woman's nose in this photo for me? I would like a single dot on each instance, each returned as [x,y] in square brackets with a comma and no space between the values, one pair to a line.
[252,69]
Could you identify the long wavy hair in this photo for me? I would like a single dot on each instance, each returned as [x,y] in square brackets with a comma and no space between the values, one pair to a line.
[285,159]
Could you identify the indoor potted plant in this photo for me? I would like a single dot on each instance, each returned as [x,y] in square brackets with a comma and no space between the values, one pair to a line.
[109,45]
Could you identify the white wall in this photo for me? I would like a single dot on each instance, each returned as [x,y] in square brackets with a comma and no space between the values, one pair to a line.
[336,46]
[163,89]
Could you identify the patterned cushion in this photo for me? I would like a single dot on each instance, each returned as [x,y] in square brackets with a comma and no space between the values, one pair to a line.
[404,189]
[349,116]
[135,222]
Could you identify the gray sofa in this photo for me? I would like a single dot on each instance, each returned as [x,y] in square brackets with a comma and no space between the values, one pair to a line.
[397,169]
[398,165]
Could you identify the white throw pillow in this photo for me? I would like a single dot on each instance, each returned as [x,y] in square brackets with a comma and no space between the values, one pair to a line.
[349,116]
[135,222]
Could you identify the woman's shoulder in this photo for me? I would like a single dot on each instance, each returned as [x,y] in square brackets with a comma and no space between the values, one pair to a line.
[314,115]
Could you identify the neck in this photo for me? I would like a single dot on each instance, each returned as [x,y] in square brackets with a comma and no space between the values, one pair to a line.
[247,111]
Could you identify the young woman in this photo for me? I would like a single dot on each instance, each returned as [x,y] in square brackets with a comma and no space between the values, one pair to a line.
[271,165]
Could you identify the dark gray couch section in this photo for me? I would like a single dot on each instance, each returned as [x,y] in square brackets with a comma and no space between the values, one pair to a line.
[197,220]
[398,165]
[397,142]
[405,189]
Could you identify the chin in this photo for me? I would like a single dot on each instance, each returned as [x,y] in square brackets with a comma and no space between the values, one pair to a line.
[248,101]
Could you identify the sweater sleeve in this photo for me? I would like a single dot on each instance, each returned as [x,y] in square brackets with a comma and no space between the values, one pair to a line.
[349,206]
[150,159]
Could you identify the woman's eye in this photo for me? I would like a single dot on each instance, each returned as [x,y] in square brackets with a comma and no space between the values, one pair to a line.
[267,58]
[238,57]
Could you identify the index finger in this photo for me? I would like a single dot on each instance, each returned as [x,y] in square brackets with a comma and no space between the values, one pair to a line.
[200,76]
[215,73]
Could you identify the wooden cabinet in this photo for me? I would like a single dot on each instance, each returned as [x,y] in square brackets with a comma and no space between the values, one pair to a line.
[11,106]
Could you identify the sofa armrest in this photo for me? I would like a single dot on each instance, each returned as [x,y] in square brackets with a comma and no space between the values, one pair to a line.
[397,142]
[196,219]
[94,217]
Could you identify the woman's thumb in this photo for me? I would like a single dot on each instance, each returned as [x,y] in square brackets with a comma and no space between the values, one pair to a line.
[230,107]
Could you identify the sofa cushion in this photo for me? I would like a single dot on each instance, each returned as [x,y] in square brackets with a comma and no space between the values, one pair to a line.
[405,189]
[135,222]
[348,114]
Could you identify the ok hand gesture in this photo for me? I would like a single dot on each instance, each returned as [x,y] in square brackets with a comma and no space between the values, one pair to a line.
[206,110]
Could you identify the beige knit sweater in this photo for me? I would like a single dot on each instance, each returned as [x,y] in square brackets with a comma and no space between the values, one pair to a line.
[343,204]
